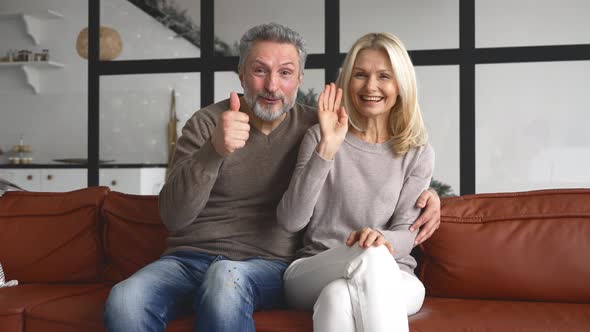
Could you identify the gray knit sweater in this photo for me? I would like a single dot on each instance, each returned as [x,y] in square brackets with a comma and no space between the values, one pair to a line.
[227,206]
[366,185]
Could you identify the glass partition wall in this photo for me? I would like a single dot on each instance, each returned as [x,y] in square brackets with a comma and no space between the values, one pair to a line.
[502,99]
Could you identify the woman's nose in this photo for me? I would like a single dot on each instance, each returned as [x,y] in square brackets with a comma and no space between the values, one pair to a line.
[371,83]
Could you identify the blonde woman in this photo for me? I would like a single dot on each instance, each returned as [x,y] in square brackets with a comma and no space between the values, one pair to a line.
[359,173]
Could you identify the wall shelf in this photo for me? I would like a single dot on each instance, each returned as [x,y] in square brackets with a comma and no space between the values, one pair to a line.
[31,69]
[32,21]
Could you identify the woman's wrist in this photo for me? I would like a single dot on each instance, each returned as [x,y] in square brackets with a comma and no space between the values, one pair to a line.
[327,149]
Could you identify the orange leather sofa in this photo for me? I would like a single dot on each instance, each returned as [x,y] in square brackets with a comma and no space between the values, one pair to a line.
[499,262]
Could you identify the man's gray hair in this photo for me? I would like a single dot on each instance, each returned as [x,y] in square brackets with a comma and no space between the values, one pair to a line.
[276,33]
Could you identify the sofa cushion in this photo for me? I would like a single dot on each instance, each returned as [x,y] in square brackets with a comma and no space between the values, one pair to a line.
[51,237]
[84,312]
[514,246]
[133,233]
[283,321]
[264,321]
[14,301]
[445,314]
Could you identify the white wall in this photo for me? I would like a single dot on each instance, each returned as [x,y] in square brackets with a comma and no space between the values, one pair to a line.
[54,121]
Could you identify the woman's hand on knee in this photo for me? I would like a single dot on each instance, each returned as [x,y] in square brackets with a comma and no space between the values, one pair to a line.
[368,237]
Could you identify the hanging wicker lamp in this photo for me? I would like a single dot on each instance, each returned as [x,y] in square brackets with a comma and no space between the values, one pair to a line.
[110,43]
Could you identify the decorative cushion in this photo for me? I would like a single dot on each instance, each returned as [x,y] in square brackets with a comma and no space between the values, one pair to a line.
[3,282]
[133,233]
[51,237]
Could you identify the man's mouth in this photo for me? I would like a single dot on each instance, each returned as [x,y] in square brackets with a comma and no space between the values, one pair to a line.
[270,100]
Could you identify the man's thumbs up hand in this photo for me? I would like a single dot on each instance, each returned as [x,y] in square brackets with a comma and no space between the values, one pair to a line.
[234,102]
[232,130]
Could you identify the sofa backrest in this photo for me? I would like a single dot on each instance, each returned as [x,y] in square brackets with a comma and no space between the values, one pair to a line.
[51,237]
[133,234]
[511,246]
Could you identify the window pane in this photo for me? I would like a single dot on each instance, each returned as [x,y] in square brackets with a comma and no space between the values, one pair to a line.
[438,91]
[531,126]
[502,23]
[234,17]
[135,112]
[313,85]
[226,82]
[154,29]
[421,24]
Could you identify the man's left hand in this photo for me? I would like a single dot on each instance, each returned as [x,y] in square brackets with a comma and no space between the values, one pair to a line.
[429,219]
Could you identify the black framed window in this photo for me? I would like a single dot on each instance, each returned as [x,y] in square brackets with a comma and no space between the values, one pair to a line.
[450,63]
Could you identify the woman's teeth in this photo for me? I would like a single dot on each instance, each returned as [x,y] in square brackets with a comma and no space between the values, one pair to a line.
[371,98]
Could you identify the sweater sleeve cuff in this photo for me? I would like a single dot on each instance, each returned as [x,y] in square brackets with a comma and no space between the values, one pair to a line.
[402,241]
[319,167]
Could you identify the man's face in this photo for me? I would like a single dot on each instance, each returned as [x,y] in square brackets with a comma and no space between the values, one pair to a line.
[270,79]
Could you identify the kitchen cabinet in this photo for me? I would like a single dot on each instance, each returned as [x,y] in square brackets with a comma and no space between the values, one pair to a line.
[48,180]
[137,181]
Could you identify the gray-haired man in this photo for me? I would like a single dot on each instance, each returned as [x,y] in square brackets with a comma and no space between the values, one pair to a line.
[226,253]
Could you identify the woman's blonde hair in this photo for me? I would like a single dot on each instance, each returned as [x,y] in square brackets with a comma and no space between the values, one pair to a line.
[405,119]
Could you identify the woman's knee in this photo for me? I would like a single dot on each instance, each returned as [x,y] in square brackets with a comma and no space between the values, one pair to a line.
[377,258]
[378,253]
[414,292]
[334,297]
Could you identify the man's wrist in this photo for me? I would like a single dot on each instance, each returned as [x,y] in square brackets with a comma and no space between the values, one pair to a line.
[433,191]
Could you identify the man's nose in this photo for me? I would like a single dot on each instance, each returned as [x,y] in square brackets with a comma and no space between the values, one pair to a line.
[272,83]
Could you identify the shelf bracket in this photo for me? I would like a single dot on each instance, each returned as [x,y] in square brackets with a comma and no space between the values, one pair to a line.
[32,21]
[33,27]
[32,76]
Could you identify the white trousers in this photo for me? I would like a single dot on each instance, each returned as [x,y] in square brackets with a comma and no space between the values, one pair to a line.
[354,289]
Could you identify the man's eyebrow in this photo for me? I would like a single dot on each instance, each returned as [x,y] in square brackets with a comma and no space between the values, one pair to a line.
[260,62]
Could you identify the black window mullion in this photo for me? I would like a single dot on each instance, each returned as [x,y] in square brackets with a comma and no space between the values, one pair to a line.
[467,96]
[207,52]
[332,40]
[93,92]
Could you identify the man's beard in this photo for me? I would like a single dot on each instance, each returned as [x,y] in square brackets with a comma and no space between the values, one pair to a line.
[266,113]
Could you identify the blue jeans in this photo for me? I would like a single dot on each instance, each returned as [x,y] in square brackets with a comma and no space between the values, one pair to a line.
[224,293]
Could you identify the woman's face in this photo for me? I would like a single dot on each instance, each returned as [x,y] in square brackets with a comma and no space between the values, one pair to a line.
[373,88]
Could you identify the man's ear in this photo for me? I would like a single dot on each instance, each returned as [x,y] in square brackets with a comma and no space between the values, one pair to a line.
[241,75]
